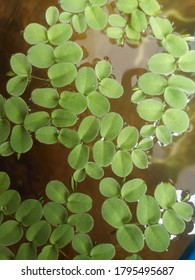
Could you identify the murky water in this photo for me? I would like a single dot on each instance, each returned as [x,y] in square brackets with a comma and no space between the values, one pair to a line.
[43,163]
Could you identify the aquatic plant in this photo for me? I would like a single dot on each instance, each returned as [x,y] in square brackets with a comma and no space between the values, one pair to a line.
[73,108]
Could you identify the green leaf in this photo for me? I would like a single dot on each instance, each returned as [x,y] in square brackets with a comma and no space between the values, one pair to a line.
[128,138]
[78,157]
[109,187]
[137,96]
[183,83]
[103,252]
[176,120]
[61,236]
[45,97]
[73,101]
[175,45]
[111,88]
[62,74]
[89,128]
[146,144]
[150,7]
[98,104]
[82,257]
[147,130]
[57,191]
[82,243]
[79,23]
[82,222]
[35,33]
[172,222]
[103,152]
[55,213]
[161,27]
[96,18]
[79,175]
[4,130]
[4,182]
[73,6]
[20,140]
[26,251]
[47,135]
[9,202]
[134,257]
[16,86]
[156,110]
[68,52]
[63,118]
[11,232]
[130,238]
[175,98]
[48,252]
[98,2]
[36,120]
[103,69]
[52,15]
[139,158]
[6,149]
[152,84]
[110,125]
[131,33]
[138,21]
[2,102]
[186,62]
[6,253]
[16,109]
[65,17]
[165,194]
[115,32]
[184,210]
[148,210]
[117,20]
[59,33]
[86,80]
[157,238]
[79,203]
[133,190]
[126,6]
[164,135]
[115,212]
[41,56]
[122,164]
[94,171]
[29,212]
[38,233]
[20,65]
[69,138]
[162,63]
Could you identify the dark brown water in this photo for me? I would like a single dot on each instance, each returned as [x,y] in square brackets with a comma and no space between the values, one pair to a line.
[43,163]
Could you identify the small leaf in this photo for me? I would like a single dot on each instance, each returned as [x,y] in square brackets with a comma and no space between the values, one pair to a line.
[4,181]
[98,104]
[164,135]
[110,125]
[48,252]
[150,7]
[57,191]
[9,202]
[55,213]
[20,140]
[16,86]
[26,251]
[89,128]
[79,23]
[6,149]
[79,203]
[176,120]
[11,232]
[52,15]
[68,52]
[74,102]
[6,253]
[152,84]
[137,96]
[122,163]
[36,120]
[146,144]
[96,18]
[20,65]
[155,112]
[115,212]
[98,2]
[103,69]
[111,88]
[94,171]
[61,236]
[41,56]
[130,238]
[157,238]
[133,190]
[73,6]
[35,33]
[109,187]
[86,80]
[63,118]
[68,137]
[183,83]
[148,210]
[186,62]
[175,45]
[65,17]
[82,222]
[45,97]
[184,210]
[138,21]
[128,138]
[38,233]
[162,63]
[134,257]
[165,194]
[115,33]
[161,27]
[175,98]
[82,243]
[131,33]
[47,135]
[103,252]
[59,33]
[172,222]
[126,6]
[117,20]
[103,152]
[139,158]
[147,130]
[78,157]
[4,130]
[16,109]
[79,175]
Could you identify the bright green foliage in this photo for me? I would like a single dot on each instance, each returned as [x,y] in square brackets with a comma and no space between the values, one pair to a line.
[61,236]
[26,251]
[157,238]
[165,194]
[86,80]
[172,222]
[131,33]
[111,88]
[137,96]
[126,6]
[138,20]
[35,33]
[116,212]
[175,45]
[102,252]
[93,170]
[52,15]
[152,84]
[20,140]
[59,33]
[183,83]
[89,129]
[68,52]
[146,144]
[162,63]
[155,112]
[45,97]
[114,33]
[186,62]
[10,233]
[47,135]
[74,6]
[17,85]
[20,65]
[48,252]
[79,203]
[184,210]
[175,98]
[36,120]
[79,156]
[55,213]
[133,190]
[116,20]
[122,163]
[79,23]
[176,120]
[110,126]
[130,238]
[109,187]
[41,56]
[139,158]
[63,118]
[82,243]
[16,109]
[96,18]
[128,138]
[82,222]
[164,135]
[68,137]
[98,104]
[103,69]
[147,130]
[103,152]
[150,7]
[161,27]
[79,175]
[38,233]
[57,191]
[74,102]
[9,201]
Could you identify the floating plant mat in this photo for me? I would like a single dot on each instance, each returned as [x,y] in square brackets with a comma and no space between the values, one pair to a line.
[100,129]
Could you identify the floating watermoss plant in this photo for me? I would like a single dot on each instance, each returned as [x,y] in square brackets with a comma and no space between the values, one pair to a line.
[97,139]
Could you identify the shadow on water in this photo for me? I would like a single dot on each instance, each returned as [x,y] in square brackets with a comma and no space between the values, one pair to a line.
[43,163]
